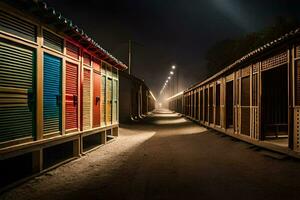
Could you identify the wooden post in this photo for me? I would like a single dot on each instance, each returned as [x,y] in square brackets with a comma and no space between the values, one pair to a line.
[251,104]
[207,111]
[260,135]
[115,131]
[239,106]
[63,93]
[199,113]
[39,85]
[234,99]
[214,103]
[202,106]
[80,104]
[222,102]
[195,106]
[292,133]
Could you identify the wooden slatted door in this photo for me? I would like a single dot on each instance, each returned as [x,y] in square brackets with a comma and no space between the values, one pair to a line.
[96,100]
[103,100]
[17,26]
[86,99]
[109,101]
[115,102]
[71,96]
[17,96]
[52,94]
[245,106]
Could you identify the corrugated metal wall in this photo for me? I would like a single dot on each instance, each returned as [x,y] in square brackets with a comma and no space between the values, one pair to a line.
[17,92]
[71,96]
[52,93]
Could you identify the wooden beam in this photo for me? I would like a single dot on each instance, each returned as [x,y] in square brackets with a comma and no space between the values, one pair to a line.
[39,85]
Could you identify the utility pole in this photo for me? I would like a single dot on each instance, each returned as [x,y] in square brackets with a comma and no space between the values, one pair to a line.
[129,57]
[177,79]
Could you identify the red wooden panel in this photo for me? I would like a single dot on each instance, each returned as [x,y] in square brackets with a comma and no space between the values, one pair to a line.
[96,100]
[96,65]
[71,96]
[86,59]
[72,50]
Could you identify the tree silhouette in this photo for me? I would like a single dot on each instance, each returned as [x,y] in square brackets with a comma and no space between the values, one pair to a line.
[225,52]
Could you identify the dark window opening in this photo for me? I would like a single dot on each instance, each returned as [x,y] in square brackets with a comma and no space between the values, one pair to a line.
[245,106]
[229,104]
[275,103]
[218,104]
[211,107]
[206,105]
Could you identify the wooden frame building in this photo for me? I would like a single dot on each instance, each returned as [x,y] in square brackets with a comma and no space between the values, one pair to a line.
[136,99]
[59,91]
[255,99]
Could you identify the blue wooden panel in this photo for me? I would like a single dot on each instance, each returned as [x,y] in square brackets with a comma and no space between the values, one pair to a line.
[52,93]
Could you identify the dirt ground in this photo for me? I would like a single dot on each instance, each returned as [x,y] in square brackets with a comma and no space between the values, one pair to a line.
[169,157]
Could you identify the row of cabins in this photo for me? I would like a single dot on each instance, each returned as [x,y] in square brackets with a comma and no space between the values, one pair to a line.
[139,99]
[256,99]
[59,91]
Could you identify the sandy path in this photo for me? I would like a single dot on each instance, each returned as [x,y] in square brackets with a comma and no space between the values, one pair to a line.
[168,157]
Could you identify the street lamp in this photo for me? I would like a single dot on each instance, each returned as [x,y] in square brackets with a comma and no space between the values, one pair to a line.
[168,86]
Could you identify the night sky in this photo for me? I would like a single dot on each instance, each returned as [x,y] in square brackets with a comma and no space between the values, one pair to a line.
[170,32]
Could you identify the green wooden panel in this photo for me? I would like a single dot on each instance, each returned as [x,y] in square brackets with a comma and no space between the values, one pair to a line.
[17,96]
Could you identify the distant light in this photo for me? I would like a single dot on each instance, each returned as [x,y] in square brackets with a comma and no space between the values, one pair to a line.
[171,72]
[167,81]
[173,67]
[169,77]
